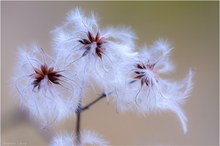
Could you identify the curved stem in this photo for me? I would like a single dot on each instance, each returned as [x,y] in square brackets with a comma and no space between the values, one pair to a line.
[78,117]
[93,102]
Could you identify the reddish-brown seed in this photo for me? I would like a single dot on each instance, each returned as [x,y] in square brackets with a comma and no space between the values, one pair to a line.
[140,74]
[45,72]
[91,39]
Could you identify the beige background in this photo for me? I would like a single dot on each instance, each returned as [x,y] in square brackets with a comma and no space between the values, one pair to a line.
[191,27]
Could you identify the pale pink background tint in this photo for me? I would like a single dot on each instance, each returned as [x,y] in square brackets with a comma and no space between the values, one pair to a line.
[191,27]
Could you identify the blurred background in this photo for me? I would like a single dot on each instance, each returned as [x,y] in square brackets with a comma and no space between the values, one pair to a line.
[191,27]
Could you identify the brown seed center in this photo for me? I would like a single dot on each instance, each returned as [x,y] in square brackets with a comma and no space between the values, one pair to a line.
[90,40]
[140,74]
[45,72]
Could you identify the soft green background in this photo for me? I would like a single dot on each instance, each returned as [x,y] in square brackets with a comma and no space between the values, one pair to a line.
[191,27]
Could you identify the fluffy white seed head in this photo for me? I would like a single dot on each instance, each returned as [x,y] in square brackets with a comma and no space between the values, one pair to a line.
[62,140]
[96,53]
[142,88]
[46,89]
[92,138]
[87,138]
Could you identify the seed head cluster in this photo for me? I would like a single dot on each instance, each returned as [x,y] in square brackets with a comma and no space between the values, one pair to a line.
[86,56]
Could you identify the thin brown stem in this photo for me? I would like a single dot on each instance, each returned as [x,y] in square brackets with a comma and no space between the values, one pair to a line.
[78,117]
[78,136]
[93,102]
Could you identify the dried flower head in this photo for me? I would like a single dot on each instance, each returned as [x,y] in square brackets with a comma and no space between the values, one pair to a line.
[62,140]
[145,90]
[88,138]
[47,89]
[96,53]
